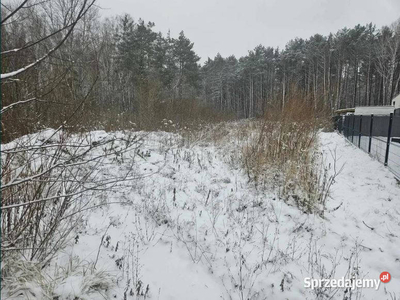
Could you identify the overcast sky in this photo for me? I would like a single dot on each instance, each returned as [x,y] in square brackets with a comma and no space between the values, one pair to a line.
[236,26]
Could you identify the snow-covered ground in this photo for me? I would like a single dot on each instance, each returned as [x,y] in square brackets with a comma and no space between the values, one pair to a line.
[378,151]
[192,227]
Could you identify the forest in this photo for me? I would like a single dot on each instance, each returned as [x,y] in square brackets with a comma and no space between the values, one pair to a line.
[119,72]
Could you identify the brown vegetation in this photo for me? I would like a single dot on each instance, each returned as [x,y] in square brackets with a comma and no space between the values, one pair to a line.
[284,155]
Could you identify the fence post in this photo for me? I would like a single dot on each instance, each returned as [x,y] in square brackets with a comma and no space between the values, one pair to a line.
[349,127]
[370,133]
[388,139]
[359,133]
[352,131]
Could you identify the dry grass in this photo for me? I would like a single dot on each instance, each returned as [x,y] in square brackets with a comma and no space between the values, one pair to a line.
[27,280]
[282,154]
[186,116]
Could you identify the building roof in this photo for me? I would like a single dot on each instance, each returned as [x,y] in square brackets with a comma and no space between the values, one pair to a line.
[396,101]
[376,110]
[344,111]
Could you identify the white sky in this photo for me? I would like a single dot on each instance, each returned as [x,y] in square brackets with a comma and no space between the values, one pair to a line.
[236,26]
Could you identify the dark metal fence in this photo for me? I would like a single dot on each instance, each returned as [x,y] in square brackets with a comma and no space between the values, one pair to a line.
[377,135]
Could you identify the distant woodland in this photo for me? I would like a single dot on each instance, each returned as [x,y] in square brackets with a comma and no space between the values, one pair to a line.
[63,62]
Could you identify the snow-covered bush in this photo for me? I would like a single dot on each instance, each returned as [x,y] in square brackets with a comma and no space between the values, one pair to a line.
[48,179]
[75,280]
[78,280]
[23,279]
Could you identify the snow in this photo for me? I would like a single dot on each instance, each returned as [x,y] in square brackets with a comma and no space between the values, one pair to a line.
[193,227]
[370,196]
[70,288]
[378,151]
[16,72]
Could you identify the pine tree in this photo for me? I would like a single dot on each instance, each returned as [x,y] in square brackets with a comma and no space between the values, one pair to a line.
[186,61]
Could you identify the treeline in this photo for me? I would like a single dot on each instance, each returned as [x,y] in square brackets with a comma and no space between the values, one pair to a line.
[112,73]
[358,66]
[121,73]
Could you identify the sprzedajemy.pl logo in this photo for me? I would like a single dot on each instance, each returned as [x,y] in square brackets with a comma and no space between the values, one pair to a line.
[351,283]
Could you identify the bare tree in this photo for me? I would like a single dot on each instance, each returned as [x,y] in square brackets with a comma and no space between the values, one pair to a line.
[49,178]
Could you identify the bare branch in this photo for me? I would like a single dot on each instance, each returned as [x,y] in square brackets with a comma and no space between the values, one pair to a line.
[82,12]
[14,12]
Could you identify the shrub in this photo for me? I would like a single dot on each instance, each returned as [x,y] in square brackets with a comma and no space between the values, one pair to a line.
[283,155]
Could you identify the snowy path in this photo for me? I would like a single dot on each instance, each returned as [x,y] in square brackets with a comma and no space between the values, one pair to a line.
[196,229]
[370,213]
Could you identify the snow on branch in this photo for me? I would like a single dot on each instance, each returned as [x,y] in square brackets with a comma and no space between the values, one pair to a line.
[82,12]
